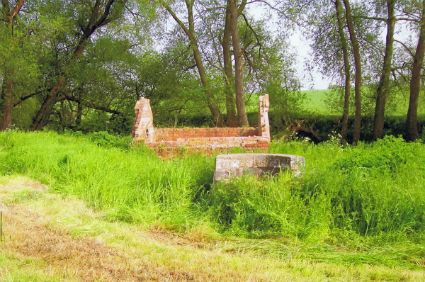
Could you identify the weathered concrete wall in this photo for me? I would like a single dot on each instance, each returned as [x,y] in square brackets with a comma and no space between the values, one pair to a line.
[204,139]
[235,165]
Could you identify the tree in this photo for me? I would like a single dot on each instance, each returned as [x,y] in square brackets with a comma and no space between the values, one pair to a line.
[384,82]
[232,119]
[358,71]
[334,53]
[190,32]
[415,81]
[347,68]
[100,14]
[235,10]
[9,15]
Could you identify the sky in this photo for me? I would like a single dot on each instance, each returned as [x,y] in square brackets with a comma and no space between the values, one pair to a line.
[314,79]
[309,79]
[300,46]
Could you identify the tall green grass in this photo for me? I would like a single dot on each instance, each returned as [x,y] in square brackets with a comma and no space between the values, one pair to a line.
[369,191]
[129,184]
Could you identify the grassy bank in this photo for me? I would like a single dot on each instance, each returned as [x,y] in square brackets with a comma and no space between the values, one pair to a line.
[54,238]
[364,195]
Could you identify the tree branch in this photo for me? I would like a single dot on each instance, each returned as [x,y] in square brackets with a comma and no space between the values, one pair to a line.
[92,105]
[255,33]
[242,6]
[384,19]
[370,18]
[175,17]
[18,7]
[405,47]
[23,98]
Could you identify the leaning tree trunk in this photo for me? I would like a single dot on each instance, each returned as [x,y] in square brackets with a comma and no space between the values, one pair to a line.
[239,87]
[191,33]
[347,70]
[384,82]
[358,74]
[232,119]
[43,114]
[215,111]
[415,83]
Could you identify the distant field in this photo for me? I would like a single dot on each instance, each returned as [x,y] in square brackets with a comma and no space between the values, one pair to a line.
[316,101]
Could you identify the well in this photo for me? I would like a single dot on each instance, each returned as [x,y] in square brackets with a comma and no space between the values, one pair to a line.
[234,165]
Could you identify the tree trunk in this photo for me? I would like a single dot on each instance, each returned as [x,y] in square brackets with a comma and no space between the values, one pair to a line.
[239,87]
[232,119]
[79,114]
[415,83]
[6,121]
[358,73]
[42,117]
[384,82]
[215,111]
[347,70]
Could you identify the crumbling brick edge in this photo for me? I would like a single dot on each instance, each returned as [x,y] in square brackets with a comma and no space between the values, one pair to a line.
[169,141]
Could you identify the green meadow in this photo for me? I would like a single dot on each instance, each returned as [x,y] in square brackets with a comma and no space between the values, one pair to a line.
[352,205]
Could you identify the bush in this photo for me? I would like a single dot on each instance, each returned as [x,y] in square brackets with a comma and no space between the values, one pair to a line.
[104,139]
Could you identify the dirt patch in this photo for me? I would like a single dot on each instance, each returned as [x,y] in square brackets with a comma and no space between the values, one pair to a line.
[193,239]
[19,183]
[28,234]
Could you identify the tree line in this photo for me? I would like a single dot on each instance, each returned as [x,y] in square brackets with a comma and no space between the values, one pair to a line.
[349,34]
[75,64]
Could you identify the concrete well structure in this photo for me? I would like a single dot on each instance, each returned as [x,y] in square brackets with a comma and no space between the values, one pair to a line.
[167,140]
[235,165]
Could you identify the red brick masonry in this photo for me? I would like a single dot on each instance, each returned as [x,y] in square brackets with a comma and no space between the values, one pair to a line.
[201,138]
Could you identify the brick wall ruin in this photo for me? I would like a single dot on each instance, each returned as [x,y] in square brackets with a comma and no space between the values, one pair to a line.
[201,138]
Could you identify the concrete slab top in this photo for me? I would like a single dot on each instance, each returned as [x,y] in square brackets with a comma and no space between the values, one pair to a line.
[235,165]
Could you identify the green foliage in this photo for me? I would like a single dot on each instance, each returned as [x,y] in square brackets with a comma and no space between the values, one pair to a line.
[346,193]
[174,93]
[258,208]
[104,139]
[368,190]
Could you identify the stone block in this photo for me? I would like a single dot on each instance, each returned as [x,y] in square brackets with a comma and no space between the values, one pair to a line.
[236,165]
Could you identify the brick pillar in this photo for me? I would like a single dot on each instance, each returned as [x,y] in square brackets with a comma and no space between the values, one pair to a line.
[263,119]
[143,126]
